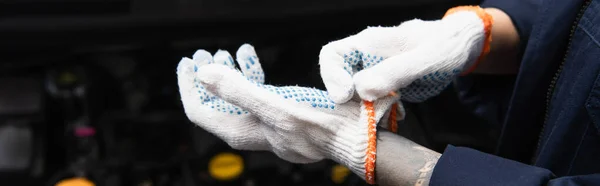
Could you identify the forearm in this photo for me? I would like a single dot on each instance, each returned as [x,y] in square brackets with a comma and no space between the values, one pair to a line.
[403,162]
[504,50]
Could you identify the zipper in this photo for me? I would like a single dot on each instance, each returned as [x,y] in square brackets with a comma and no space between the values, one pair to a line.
[552,85]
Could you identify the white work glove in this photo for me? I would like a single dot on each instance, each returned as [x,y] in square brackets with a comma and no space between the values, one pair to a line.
[298,124]
[419,58]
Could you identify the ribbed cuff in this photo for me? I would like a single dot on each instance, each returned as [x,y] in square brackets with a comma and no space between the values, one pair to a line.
[475,27]
[349,145]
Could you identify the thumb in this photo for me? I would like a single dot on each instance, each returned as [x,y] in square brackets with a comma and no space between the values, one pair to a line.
[336,61]
[231,86]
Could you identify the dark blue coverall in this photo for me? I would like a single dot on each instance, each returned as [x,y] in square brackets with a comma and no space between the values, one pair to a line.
[550,132]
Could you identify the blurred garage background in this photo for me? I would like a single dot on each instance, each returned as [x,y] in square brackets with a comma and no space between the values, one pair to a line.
[88,87]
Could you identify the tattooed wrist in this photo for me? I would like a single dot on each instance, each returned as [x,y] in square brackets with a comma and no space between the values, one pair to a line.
[403,162]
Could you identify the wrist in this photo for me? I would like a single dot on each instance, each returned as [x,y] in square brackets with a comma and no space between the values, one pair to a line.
[354,144]
[504,54]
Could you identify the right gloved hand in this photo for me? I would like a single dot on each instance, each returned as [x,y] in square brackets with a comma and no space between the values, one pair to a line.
[419,58]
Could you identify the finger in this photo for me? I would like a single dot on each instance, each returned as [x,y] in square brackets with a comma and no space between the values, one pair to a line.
[249,63]
[234,88]
[202,57]
[223,57]
[396,72]
[337,63]
[383,105]
[186,75]
[232,124]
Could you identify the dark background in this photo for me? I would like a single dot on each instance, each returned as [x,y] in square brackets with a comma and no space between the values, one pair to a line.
[110,65]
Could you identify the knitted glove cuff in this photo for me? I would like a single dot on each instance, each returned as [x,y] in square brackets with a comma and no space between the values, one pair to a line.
[353,144]
[487,20]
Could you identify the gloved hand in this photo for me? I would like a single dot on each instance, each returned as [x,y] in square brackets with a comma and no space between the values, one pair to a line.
[298,124]
[419,58]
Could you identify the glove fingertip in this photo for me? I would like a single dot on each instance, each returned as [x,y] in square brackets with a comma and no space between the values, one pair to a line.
[202,57]
[186,65]
[370,85]
[249,63]
[223,57]
[338,83]
[339,97]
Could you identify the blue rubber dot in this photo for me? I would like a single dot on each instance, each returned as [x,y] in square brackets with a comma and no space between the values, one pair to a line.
[325,105]
[320,105]
[313,99]
[295,94]
[298,100]
[314,105]
[332,107]
[285,97]
[239,112]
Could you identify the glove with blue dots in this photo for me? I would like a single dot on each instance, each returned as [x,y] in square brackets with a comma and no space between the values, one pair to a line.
[417,58]
[298,124]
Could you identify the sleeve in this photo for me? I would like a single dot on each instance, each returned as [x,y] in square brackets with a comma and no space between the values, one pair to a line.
[464,166]
[522,14]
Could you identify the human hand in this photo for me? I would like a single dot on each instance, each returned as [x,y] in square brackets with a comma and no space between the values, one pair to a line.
[298,124]
[418,58]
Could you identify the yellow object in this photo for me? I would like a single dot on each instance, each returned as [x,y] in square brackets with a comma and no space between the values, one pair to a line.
[75,182]
[67,78]
[226,166]
[339,174]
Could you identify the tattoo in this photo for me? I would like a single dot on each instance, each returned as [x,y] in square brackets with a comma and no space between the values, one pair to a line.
[403,162]
[427,169]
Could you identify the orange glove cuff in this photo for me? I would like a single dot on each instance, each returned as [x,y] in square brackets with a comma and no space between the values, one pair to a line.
[488,21]
[372,144]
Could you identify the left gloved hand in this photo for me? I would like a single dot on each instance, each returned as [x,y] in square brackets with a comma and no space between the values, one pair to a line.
[298,124]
